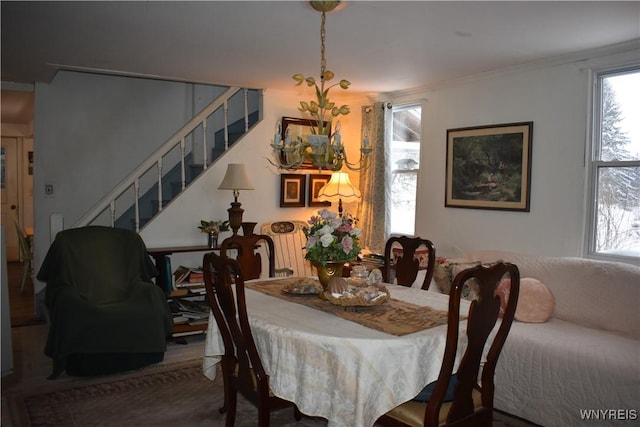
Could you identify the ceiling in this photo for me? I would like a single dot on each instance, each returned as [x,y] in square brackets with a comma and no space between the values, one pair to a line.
[380,46]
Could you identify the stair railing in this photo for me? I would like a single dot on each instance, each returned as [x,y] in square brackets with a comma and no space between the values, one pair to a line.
[121,194]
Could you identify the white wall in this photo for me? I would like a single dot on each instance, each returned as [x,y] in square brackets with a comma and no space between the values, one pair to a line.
[178,223]
[555,98]
[92,130]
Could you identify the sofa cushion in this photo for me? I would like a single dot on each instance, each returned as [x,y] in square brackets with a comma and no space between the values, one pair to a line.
[548,372]
[535,303]
[593,293]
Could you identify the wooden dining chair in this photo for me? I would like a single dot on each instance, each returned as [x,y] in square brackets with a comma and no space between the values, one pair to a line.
[242,370]
[459,399]
[249,251]
[405,257]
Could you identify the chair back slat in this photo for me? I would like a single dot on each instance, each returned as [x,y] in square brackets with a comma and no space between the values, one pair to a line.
[249,254]
[225,274]
[405,257]
[483,315]
[242,369]
[289,241]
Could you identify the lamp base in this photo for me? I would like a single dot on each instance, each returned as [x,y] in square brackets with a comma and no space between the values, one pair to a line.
[235,217]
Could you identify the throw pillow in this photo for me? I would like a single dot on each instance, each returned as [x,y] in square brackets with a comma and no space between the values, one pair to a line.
[535,303]
[442,277]
[470,287]
[446,270]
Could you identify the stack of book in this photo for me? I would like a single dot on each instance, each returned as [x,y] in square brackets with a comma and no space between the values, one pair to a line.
[189,278]
[190,312]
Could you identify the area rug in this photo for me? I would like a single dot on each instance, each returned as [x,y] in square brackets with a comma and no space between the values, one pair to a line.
[175,395]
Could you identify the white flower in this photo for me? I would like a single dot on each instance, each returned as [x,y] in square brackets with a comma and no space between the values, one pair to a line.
[327,239]
[327,229]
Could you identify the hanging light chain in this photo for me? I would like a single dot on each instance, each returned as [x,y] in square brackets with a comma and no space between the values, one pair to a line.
[323,61]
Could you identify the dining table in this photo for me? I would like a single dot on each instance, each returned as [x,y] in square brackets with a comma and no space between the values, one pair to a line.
[347,365]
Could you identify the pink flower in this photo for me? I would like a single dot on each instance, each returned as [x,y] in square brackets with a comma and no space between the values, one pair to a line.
[347,244]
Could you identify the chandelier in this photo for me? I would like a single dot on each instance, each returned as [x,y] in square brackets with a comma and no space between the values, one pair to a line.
[322,149]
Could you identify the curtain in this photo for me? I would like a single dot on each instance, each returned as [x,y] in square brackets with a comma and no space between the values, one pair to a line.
[372,210]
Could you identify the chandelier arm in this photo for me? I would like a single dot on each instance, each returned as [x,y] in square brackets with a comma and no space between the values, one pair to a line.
[297,149]
[361,164]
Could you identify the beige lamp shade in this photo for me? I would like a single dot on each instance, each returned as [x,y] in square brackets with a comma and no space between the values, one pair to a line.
[339,187]
[236,178]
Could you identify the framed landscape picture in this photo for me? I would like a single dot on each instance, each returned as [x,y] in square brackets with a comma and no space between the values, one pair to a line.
[316,182]
[489,167]
[292,188]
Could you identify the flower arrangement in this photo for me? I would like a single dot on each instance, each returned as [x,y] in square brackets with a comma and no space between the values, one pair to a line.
[331,238]
[214,226]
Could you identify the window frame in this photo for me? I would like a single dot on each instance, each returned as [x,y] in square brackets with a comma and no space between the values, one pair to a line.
[595,164]
[388,172]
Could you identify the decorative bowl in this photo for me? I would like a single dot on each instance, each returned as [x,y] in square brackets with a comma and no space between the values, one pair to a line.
[303,286]
[359,296]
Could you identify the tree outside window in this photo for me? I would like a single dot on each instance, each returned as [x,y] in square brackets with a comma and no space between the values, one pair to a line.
[616,166]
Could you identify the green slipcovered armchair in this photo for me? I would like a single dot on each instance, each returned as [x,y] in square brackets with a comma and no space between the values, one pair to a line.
[106,315]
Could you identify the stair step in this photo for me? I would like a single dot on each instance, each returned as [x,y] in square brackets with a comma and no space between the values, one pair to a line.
[148,201]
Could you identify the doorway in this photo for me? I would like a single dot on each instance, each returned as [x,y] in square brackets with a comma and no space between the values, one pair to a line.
[17,165]
[16,187]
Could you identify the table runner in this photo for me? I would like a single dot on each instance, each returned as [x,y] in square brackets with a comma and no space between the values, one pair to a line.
[392,317]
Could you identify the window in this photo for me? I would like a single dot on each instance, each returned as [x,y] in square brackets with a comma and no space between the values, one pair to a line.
[402,168]
[614,226]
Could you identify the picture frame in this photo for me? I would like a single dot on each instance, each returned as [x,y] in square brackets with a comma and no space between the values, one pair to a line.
[300,128]
[292,190]
[316,182]
[489,167]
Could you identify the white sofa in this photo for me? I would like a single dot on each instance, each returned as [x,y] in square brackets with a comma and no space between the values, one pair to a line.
[586,356]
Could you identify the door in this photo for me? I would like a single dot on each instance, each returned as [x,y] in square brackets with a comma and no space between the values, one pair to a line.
[9,195]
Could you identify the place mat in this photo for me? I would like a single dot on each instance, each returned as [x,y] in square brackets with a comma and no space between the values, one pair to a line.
[393,317]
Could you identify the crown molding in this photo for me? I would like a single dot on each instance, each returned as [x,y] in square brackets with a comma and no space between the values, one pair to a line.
[632,47]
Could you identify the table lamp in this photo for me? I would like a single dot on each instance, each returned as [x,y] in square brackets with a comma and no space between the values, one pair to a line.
[235,179]
[339,188]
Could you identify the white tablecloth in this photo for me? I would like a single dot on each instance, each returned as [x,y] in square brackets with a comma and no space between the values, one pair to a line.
[335,368]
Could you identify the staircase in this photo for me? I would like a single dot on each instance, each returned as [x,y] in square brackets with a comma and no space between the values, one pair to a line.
[178,162]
